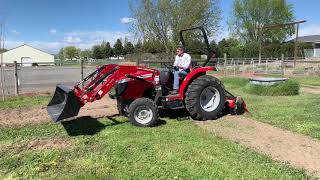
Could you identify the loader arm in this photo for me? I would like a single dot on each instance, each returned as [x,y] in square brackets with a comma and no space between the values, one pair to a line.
[102,83]
[67,102]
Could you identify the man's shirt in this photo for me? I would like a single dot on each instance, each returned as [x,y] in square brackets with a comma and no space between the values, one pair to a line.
[183,61]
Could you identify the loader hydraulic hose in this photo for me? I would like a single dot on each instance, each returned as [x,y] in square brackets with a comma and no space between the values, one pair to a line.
[92,74]
[102,78]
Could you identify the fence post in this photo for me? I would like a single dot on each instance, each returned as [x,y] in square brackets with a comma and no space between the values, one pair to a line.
[267,65]
[234,67]
[244,66]
[217,63]
[81,71]
[282,65]
[225,64]
[304,66]
[252,62]
[138,62]
[238,66]
[16,85]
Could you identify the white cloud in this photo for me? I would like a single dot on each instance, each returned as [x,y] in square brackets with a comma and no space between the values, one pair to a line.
[311,29]
[53,31]
[99,36]
[127,20]
[80,39]
[72,39]
[50,47]
[15,32]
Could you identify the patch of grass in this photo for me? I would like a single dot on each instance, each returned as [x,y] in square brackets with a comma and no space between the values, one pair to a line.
[24,101]
[295,113]
[311,81]
[113,148]
[235,82]
[288,88]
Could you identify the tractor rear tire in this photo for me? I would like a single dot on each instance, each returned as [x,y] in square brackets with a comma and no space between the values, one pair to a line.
[205,98]
[143,112]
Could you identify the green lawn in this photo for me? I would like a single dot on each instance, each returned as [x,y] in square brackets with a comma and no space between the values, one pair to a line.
[24,101]
[296,113]
[311,81]
[113,148]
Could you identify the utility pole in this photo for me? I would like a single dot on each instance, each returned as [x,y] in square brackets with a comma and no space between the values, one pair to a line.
[1,65]
[260,43]
[296,46]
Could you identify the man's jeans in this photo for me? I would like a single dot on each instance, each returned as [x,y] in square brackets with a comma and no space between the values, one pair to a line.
[177,75]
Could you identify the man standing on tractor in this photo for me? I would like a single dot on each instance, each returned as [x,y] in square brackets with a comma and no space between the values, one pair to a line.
[181,66]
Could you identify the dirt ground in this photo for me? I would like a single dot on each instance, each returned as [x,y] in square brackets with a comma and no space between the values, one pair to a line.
[310,89]
[49,144]
[36,115]
[298,150]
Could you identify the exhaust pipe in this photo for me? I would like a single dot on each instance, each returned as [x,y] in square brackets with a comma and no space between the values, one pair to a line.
[64,104]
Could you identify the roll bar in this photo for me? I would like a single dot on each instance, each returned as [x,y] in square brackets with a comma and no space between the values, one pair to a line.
[204,34]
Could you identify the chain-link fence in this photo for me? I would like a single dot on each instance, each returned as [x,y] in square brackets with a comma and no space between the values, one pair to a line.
[44,78]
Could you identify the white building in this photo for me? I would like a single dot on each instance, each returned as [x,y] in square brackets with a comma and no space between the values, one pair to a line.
[313,40]
[27,55]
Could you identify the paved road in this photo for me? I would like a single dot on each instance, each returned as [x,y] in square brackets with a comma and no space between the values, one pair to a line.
[42,79]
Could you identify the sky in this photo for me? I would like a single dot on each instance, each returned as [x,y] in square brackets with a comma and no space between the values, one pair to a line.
[52,24]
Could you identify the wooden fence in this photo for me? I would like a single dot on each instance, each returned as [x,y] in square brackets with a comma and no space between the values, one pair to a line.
[285,66]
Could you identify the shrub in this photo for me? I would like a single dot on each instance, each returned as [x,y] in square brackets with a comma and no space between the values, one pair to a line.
[288,88]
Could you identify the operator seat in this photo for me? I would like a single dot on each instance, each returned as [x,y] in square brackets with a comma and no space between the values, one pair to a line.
[193,65]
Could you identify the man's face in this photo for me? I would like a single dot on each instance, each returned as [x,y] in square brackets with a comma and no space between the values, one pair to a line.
[179,51]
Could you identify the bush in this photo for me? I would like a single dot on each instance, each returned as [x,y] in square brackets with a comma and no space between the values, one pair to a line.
[288,88]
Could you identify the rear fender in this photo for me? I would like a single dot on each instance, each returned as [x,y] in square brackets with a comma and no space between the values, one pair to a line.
[191,76]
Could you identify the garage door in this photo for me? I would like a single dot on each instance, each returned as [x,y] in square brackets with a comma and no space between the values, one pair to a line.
[26,61]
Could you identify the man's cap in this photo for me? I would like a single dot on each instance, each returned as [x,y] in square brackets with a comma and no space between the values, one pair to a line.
[181,47]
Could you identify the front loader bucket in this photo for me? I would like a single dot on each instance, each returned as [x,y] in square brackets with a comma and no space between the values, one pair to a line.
[63,105]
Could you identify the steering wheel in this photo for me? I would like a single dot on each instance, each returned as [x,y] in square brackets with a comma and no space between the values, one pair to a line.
[170,67]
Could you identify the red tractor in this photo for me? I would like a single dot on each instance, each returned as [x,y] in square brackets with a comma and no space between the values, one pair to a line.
[141,91]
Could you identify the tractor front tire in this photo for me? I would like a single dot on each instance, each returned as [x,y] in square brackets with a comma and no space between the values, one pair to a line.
[205,98]
[143,112]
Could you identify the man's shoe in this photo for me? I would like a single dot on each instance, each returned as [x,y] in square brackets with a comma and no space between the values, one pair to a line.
[174,92]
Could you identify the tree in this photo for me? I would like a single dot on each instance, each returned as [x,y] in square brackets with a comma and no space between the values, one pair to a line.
[162,20]
[230,46]
[128,48]
[118,48]
[71,52]
[85,54]
[61,55]
[96,52]
[251,15]
[2,50]
[214,46]
[106,50]
[153,46]
[138,48]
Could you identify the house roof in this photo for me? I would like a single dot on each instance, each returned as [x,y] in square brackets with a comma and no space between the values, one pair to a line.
[313,38]
[29,46]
